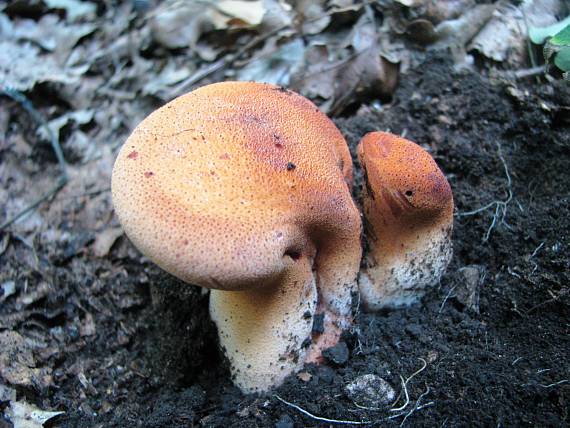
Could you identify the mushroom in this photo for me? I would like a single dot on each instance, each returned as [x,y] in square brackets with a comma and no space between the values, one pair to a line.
[408,209]
[243,188]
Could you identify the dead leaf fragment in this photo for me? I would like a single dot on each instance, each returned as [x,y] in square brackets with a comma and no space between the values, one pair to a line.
[178,24]
[314,18]
[504,37]
[22,66]
[250,13]
[8,288]
[317,79]
[17,363]
[276,67]
[74,9]
[80,117]
[25,415]
[7,394]
[105,240]
[87,327]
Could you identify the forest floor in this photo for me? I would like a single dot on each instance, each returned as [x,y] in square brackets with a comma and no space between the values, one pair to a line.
[91,328]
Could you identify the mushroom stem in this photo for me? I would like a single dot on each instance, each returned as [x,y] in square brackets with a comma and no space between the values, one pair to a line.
[336,268]
[265,332]
[404,268]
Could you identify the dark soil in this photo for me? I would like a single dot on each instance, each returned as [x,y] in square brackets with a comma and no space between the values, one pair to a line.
[128,345]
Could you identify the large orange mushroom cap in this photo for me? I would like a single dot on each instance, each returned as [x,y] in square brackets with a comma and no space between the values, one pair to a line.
[408,205]
[243,187]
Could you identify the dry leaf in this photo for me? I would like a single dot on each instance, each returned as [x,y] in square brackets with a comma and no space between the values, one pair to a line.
[159,84]
[24,415]
[368,76]
[276,67]
[23,67]
[80,117]
[105,240]
[504,38]
[250,13]
[178,24]
[74,9]
[17,363]
[317,80]
[87,327]
[7,394]
[313,16]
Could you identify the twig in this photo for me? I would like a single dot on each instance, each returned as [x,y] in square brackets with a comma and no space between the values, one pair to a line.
[500,206]
[319,418]
[63,178]
[527,72]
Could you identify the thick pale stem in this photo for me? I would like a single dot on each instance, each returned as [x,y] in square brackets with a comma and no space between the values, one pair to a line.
[265,332]
[401,277]
[337,268]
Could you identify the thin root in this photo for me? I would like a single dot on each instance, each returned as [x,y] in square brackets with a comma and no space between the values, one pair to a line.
[405,388]
[500,206]
[320,418]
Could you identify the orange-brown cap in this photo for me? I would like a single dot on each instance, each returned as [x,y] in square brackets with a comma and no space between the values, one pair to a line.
[229,187]
[408,205]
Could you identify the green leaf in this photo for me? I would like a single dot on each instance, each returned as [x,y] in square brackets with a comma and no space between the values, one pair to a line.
[562,59]
[538,35]
[561,38]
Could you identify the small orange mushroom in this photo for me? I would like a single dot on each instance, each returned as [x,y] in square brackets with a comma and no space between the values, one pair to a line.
[408,207]
[244,188]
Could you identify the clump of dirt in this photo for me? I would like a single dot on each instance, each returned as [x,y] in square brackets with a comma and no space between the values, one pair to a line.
[127,345]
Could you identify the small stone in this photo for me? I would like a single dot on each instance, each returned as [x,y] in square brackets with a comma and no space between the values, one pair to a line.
[338,354]
[325,375]
[414,330]
[469,284]
[319,323]
[370,390]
